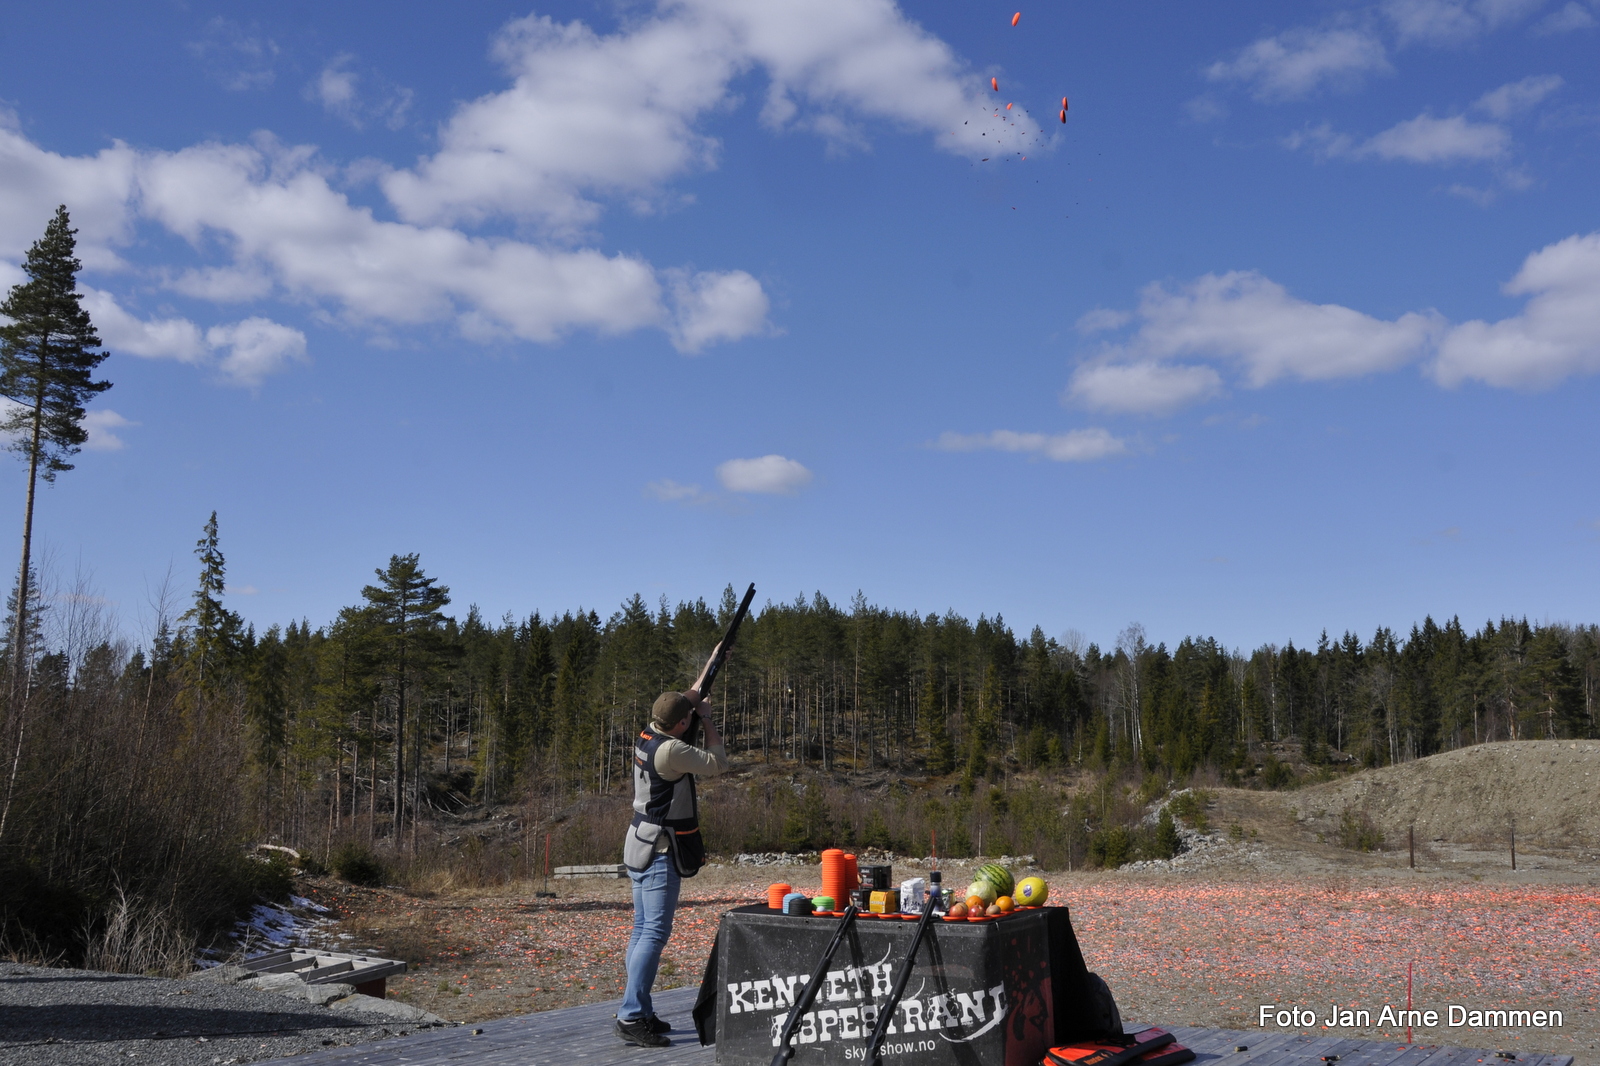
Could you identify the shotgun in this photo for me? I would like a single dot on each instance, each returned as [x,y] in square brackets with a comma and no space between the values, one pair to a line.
[807,995]
[874,1054]
[714,667]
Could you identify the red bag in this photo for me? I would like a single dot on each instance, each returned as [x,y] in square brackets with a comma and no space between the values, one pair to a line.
[1148,1047]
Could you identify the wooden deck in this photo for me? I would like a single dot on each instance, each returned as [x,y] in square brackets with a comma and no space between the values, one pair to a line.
[582,1036]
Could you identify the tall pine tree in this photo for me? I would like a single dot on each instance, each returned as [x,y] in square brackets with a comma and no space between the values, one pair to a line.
[408,606]
[48,354]
[211,633]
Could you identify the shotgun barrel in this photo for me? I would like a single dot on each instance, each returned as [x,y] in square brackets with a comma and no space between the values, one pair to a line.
[715,666]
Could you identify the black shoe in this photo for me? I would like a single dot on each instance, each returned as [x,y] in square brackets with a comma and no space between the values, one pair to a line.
[658,1025]
[639,1033]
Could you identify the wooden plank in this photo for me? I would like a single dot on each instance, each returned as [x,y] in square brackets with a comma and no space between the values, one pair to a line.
[616,870]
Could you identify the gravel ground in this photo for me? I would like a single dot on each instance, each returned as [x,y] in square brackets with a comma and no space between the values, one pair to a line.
[69,1017]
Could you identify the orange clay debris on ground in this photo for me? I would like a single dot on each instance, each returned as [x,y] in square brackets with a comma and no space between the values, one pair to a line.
[1180,950]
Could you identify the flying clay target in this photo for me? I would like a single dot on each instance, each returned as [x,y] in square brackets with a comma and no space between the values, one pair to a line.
[994,83]
[1016,18]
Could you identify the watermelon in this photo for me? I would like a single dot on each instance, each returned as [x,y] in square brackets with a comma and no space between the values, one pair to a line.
[998,876]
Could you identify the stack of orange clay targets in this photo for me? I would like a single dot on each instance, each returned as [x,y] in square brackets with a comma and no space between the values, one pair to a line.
[839,875]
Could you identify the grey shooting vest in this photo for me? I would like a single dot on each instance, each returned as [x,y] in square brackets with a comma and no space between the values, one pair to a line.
[662,809]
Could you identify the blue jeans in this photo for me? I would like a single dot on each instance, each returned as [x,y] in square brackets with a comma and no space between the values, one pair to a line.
[655,898]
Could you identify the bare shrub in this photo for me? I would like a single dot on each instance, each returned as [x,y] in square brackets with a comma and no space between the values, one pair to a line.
[122,797]
[136,937]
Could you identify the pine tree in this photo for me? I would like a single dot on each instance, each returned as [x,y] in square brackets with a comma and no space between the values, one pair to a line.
[32,622]
[1167,842]
[48,352]
[941,753]
[209,634]
[409,609]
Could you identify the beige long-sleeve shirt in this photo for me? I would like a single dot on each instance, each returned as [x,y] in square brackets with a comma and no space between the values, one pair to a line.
[676,758]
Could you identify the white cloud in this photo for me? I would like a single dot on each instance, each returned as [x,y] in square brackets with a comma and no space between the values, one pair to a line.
[281,218]
[164,338]
[223,284]
[1074,446]
[97,190]
[338,90]
[669,491]
[1518,96]
[1254,322]
[1146,387]
[1102,318]
[712,307]
[615,114]
[1426,139]
[1300,61]
[770,473]
[1448,22]
[101,424]
[1250,322]
[256,348]
[237,58]
[335,87]
[1574,16]
[1205,108]
[588,120]
[1556,336]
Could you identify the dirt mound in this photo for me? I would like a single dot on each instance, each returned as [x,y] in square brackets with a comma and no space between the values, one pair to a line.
[1549,786]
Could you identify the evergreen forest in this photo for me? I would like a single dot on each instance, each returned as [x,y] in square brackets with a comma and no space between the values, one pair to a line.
[401,736]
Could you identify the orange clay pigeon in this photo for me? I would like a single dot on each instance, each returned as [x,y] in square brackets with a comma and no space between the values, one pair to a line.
[1063,116]
[994,83]
[1063,103]
[1008,107]
[1016,18]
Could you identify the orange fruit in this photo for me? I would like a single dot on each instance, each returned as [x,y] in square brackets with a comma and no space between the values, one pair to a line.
[976,903]
[1006,904]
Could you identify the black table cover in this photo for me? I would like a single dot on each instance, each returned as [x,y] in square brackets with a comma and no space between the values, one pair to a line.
[982,993]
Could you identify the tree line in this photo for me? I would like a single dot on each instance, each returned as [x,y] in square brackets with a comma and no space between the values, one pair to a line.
[396,709]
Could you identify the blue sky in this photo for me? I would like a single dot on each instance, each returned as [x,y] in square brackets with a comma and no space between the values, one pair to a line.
[1293,324]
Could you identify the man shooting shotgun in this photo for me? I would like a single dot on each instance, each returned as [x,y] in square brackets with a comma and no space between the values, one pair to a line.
[663,844]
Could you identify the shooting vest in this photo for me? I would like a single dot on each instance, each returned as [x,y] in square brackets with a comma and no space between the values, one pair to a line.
[662,809]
